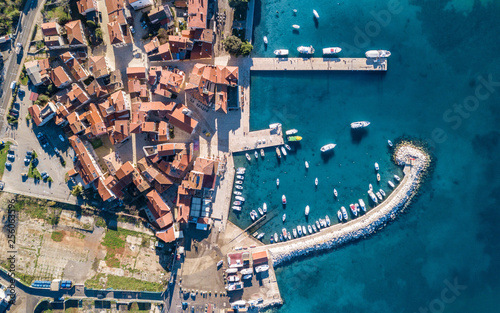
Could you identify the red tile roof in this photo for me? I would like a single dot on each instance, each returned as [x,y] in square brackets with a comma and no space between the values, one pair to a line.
[182,121]
[74,30]
[197,13]
[49,29]
[59,76]
[87,169]
[167,235]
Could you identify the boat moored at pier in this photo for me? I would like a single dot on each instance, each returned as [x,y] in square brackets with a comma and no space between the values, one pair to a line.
[281,52]
[305,50]
[377,53]
[332,50]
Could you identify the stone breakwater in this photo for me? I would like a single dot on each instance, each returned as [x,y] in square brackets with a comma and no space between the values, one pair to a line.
[415,161]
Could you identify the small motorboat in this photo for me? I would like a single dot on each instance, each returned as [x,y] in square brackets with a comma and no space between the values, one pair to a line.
[247,276]
[339,215]
[396,177]
[307,164]
[274,125]
[361,124]
[283,232]
[254,213]
[237,193]
[247,156]
[291,132]
[316,15]
[240,198]
[327,219]
[304,230]
[262,152]
[370,187]
[265,40]
[232,270]
[294,233]
[322,223]
[239,182]
[314,228]
[382,192]
[335,193]
[294,138]
[264,208]
[309,229]
[288,147]
[252,216]
[240,177]
[376,166]
[389,143]
[372,196]
[284,217]
[237,203]
[277,181]
[278,153]
[299,230]
[318,225]
[357,207]
[289,236]
[283,199]
[332,50]
[256,154]
[377,53]
[261,235]
[281,237]
[247,271]
[353,209]
[283,150]
[241,171]
[275,237]
[378,176]
[295,26]
[271,240]
[307,210]
[391,184]
[362,205]
[344,213]
[281,52]
[316,181]
[379,196]
[233,278]
[260,211]
[240,187]
[328,147]
[305,50]
[236,208]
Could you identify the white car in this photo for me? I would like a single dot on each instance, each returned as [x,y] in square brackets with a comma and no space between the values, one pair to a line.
[61,137]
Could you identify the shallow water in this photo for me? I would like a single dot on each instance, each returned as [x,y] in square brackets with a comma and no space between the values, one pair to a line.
[443,53]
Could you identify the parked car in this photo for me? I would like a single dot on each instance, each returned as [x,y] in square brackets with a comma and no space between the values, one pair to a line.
[61,137]
[26,161]
[11,157]
[13,85]
[29,153]
[56,151]
[132,30]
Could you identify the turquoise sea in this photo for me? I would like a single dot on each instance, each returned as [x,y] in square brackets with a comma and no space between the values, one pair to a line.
[442,86]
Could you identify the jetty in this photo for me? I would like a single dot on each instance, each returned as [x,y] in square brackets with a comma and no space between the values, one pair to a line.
[319,64]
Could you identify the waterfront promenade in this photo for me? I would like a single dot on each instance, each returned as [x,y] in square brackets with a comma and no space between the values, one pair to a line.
[318,64]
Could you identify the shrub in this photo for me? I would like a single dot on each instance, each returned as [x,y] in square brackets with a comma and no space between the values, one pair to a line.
[232,44]
[246,48]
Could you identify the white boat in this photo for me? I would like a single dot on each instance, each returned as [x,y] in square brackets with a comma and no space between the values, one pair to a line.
[318,225]
[376,166]
[241,171]
[316,15]
[294,10]
[378,176]
[377,54]
[260,211]
[283,232]
[240,177]
[246,271]
[382,192]
[299,230]
[327,219]
[247,276]
[328,147]
[322,223]
[261,235]
[391,184]
[284,217]
[287,147]
[372,196]
[278,153]
[389,143]
[239,182]
[304,230]
[332,50]
[264,207]
[307,210]
[283,150]
[262,268]
[353,209]
[305,50]
[344,213]
[265,40]
[236,208]
[291,132]
[281,52]
[239,187]
[316,181]
[233,278]
[335,193]
[240,198]
[314,228]
[309,229]
[289,236]
[357,207]
[370,187]
[277,181]
[362,205]
[379,196]
[235,286]
[247,156]
[296,26]
[361,124]
[294,233]
[252,216]
[283,199]
[256,154]
[339,215]
[237,203]
[396,177]
[274,125]
[262,152]
[237,193]
[307,164]
[275,237]
[232,270]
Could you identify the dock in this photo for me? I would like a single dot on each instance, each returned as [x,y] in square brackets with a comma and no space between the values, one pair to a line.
[258,139]
[318,64]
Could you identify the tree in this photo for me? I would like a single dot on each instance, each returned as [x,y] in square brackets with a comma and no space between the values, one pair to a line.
[232,44]
[162,35]
[91,24]
[246,48]
[98,35]
[77,190]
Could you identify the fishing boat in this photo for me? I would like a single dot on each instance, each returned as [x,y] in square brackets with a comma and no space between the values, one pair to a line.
[260,211]
[382,192]
[240,198]
[291,132]
[389,143]
[307,164]
[236,208]
[264,207]
[361,124]
[335,193]
[344,213]
[281,52]
[304,230]
[305,50]
[339,215]
[237,203]
[240,177]
[327,219]
[294,233]
[234,287]
[241,171]
[274,125]
[353,209]
[239,182]
[265,40]
[396,177]
[260,235]
[239,187]
[283,199]
[276,237]
[237,193]
[294,138]
[376,166]
[295,26]
[283,150]
[277,181]
[318,225]
[332,50]
[287,147]
[256,154]
[278,153]
[379,196]
[372,196]
[377,54]
[328,147]
[314,228]
[232,270]
[247,276]
[262,152]
[378,176]
[284,217]
[391,184]
[316,15]
[262,268]
[283,232]
[299,230]
[247,156]
[316,181]
[362,205]
[307,210]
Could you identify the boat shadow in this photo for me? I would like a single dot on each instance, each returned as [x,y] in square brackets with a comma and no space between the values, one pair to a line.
[358,134]
[316,22]
[295,31]
[326,156]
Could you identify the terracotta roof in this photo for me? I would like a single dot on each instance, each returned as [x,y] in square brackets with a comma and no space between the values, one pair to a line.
[75,123]
[184,208]
[156,106]
[201,50]
[152,45]
[76,69]
[59,76]
[164,52]
[34,111]
[86,5]
[49,29]
[95,89]
[77,95]
[178,43]
[182,121]
[103,190]
[167,235]
[259,257]
[139,181]
[118,101]
[113,5]
[98,67]
[124,170]
[197,13]
[97,125]
[74,30]
[159,209]
[88,170]
[119,132]
[204,35]
[136,72]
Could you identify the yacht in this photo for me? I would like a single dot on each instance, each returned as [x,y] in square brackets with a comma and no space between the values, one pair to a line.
[339,215]
[327,219]
[377,54]
[316,15]
[376,166]
[237,203]
[284,217]
[295,26]
[316,181]
[283,150]
[305,50]
[241,171]
[382,192]
[287,147]
[247,156]
[328,147]
[277,181]
[232,270]
[262,152]
[317,225]
[237,193]
[274,125]
[361,124]
[264,208]
[307,210]
[378,176]
[294,138]
[309,229]
[391,184]
[304,230]
[246,271]
[291,132]
[389,143]
[372,196]
[278,153]
[353,209]
[307,164]
[333,50]
[260,211]
[294,233]
[299,230]
[239,182]
[314,228]
[256,154]
[283,199]
[379,196]
[281,52]
[236,208]
[362,205]
[335,193]
[240,177]
[262,268]
[265,40]
[396,177]
[239,187]
[240,198]
[344,213]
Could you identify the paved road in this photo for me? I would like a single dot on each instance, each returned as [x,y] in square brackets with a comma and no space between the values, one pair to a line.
[13,64]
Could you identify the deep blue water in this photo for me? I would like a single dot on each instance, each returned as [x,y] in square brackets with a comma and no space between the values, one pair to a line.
[443,54]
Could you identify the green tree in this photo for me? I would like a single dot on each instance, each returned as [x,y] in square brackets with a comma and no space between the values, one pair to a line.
[246,48]
[77,190]
[91,25]
[232,44]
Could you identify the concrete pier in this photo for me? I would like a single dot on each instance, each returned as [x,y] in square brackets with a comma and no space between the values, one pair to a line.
[259,139]
[318,64]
